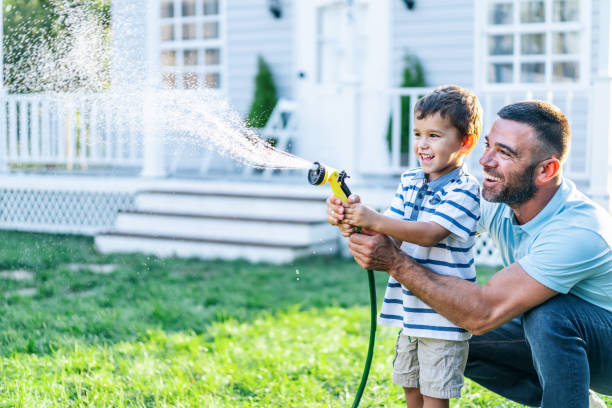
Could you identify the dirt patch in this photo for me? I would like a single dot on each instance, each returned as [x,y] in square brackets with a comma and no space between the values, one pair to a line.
[18,275]
[95,268]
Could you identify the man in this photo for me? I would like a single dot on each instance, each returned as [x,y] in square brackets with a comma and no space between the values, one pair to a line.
[543,324]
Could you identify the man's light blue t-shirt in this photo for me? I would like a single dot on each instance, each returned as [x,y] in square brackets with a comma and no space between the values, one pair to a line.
[567,247]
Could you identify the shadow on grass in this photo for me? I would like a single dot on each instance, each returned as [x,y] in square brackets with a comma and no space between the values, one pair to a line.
[67,302]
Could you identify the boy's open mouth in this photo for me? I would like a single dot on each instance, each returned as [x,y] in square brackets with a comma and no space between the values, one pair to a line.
[426,157]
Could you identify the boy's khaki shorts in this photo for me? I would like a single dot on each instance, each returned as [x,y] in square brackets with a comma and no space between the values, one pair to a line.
[433,366]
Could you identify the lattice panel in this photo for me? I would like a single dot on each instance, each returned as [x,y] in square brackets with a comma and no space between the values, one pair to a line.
[79,212]
[485,252]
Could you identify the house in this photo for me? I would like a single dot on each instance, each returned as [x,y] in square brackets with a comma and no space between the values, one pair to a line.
[341,61]
[344,58]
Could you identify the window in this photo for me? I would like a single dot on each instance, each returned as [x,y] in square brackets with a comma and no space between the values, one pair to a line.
[192,48]
[534,41]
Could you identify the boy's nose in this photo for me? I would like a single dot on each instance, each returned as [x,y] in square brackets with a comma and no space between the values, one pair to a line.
[422,142]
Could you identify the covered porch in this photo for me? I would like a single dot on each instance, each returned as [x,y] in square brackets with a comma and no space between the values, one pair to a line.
[76,164]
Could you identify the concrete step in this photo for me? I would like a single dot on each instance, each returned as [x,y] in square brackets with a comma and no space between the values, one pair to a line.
[169,245]
[290,231]
[292,205]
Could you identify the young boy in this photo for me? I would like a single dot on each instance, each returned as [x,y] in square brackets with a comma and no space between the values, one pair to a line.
[433,216]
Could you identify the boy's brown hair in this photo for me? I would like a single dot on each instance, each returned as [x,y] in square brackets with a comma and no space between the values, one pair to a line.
[457,104]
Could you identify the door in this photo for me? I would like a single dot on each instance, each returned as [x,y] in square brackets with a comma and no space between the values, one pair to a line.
[342,48]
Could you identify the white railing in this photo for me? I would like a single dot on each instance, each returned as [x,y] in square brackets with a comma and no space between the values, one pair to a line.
[70,130]
[573,101]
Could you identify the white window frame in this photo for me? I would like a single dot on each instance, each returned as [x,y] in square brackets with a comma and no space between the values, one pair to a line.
[179,45]
[482,30]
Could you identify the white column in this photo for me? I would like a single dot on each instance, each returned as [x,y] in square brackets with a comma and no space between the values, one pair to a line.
[349,82]
[3,117]
[373,105]
[600,118]
[153,150]
[1,47]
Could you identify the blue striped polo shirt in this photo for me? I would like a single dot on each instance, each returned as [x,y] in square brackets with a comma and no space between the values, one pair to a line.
[453,202]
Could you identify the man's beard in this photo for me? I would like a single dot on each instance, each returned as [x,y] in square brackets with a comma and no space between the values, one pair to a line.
[519,189]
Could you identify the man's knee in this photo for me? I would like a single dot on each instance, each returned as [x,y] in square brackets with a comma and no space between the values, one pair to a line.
[546,320]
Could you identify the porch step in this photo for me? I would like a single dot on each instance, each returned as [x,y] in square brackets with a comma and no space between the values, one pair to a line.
[272,206]
[169,245]
[290,231]
[256,225]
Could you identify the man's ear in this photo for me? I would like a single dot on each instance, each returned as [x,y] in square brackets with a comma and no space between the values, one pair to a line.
[469,142]
[548,170]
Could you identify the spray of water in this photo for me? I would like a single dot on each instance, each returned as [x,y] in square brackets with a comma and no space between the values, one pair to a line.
[196,117]
[78,60]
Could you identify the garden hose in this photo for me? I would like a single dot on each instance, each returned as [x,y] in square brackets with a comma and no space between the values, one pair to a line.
[368,362]
[319,175]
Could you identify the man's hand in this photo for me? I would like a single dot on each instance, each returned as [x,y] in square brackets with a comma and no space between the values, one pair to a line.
[376,251]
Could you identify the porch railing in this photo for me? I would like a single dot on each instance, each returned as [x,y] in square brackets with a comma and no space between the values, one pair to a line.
[573,101]
[88,130]
[69,130]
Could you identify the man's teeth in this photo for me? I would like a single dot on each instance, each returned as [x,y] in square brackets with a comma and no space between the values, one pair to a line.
[492,178]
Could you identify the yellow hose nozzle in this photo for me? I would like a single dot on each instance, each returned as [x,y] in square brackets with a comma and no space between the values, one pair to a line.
[319,175]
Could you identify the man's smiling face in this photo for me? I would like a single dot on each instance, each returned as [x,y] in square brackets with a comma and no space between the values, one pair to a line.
[509,162]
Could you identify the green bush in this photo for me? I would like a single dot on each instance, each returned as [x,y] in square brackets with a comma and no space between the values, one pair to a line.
[412,77]
[264,98]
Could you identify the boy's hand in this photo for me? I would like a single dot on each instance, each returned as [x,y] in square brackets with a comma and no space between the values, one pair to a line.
[359,214]
[346,229]
[336,208]
[336,213]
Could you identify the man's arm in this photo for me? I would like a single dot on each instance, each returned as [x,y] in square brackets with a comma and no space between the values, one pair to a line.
[477,309]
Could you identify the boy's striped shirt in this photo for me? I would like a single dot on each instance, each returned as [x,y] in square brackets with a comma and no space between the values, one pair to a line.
[453,202]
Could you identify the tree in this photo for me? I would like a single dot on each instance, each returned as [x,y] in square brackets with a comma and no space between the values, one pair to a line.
[264,98]
[29,23]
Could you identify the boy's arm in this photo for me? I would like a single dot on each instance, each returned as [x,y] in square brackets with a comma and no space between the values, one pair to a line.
[417,232]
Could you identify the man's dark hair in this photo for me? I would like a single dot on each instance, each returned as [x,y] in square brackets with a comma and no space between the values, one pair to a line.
[550,124]
[454,103]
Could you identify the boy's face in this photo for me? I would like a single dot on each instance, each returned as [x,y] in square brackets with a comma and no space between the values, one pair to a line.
[437,145]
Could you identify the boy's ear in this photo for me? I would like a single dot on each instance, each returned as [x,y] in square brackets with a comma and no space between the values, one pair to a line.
[469,142]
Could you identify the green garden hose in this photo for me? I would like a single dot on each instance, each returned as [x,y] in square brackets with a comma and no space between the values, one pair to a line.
[368,362]
[319,175]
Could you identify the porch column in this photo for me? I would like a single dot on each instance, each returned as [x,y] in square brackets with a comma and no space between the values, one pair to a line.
[3,118]
[599,115]
[350,82]
[153,152]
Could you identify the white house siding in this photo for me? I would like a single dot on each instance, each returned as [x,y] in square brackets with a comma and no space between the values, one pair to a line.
[252,30]
[441,34]
[129,64]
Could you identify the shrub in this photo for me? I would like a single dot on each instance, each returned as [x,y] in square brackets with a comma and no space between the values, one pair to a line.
[264,98]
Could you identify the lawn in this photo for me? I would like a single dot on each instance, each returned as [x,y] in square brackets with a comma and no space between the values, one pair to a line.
[81,329]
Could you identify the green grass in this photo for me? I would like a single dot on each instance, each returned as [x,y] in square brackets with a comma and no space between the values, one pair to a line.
[187,333]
